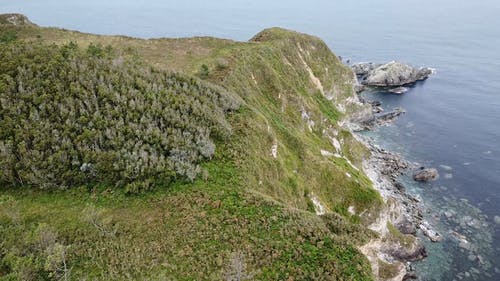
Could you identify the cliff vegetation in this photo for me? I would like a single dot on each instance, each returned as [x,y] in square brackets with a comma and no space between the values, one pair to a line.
[179,159]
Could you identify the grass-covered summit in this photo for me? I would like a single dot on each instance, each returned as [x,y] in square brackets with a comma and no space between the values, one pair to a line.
[240,145]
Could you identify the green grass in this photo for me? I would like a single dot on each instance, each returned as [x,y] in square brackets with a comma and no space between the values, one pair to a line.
[180,232]
[388,270]
[250,202]
[405,240]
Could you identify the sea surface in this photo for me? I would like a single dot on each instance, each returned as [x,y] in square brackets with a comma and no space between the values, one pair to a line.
[452,120]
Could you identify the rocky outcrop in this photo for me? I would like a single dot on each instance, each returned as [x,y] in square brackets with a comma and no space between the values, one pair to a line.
[424,174]
[15,19]
[380,118]
[392,74]
[403,210]
[429,232]
[389,116]
[363,68]
[405,226]
[415,253]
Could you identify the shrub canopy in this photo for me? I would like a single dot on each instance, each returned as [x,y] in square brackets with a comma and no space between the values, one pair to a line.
[70,116]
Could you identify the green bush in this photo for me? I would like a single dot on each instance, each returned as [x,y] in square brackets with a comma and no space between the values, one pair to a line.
[203,72]
[71,116]
[7,36]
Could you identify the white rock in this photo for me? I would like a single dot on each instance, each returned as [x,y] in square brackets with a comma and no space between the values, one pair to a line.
[274,150]
[326,153]
[336,144]
[429,232]
[318,207]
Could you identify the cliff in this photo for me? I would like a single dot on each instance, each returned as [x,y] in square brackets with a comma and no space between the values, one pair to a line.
[283,195]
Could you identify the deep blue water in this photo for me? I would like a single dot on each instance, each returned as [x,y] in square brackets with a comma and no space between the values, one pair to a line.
[452,119]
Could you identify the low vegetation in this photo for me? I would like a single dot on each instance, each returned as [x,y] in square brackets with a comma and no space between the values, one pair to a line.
[205,230]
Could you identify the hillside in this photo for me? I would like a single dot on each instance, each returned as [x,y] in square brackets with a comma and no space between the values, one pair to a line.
[248,149]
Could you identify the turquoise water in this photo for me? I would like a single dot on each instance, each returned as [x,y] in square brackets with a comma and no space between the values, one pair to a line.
[452,120]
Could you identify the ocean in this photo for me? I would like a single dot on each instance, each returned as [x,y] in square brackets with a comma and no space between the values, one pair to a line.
[452,121]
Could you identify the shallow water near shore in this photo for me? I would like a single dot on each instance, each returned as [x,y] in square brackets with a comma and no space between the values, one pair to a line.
[452,120]
[468,249]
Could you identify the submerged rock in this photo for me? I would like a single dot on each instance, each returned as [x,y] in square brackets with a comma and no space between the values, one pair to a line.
[399,90]
[429,232]
[496,219]
[428,174]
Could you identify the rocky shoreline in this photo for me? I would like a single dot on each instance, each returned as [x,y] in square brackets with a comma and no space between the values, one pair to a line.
[403,211]
[406,213]
[386,167]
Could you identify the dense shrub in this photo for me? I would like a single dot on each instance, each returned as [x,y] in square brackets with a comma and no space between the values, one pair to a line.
[70,116]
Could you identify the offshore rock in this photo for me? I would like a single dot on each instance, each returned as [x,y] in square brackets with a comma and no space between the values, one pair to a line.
[428,174]
[392,74]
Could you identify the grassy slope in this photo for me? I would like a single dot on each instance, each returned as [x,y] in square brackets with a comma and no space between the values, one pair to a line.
[251,202]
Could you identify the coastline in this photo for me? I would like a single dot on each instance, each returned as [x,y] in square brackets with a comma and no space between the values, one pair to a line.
[402,211]
[462,226]
[390,254]
[414,213]
[439,202]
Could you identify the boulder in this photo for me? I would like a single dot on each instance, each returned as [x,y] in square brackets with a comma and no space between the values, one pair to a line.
[392,74]
[424,174]
[406,227]
[416,253]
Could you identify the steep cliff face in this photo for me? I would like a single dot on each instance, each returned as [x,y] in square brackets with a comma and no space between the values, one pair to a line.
[296,98]
[287,189]
[298,95]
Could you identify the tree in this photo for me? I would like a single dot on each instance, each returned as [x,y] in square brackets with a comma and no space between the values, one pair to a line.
[203,72]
